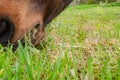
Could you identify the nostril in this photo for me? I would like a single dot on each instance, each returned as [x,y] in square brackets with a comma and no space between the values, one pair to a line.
[3,27]
[6,30]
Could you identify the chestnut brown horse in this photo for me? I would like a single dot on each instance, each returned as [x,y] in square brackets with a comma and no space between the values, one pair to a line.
[18,17]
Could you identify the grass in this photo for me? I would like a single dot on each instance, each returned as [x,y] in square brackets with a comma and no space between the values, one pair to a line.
[80,44]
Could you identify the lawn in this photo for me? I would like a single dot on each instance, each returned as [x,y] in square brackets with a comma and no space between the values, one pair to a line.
[83,43]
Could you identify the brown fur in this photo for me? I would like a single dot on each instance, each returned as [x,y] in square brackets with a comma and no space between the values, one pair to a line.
[27,13]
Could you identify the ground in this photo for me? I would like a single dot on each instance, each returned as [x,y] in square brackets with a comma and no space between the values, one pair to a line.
[83,43]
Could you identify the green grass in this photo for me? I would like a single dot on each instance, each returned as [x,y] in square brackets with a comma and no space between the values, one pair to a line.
[81,43]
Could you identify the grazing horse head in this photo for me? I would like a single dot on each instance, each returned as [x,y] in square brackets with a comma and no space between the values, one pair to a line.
[18,17]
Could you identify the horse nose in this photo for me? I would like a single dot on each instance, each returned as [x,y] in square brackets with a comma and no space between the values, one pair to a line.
[7,30]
